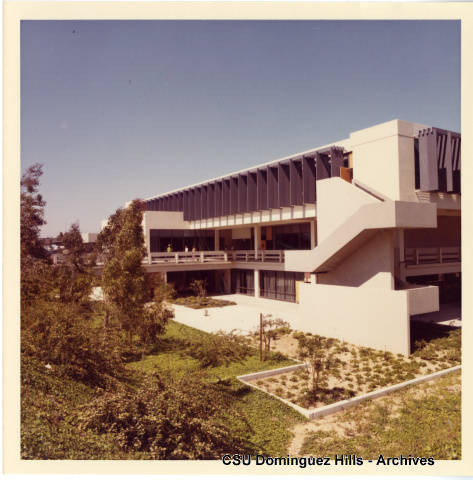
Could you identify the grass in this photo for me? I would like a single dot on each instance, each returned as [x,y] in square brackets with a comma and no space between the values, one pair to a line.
[423,420]
[51,403]
[270,420]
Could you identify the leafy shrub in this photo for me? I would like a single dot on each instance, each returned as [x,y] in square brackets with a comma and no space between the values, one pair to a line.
[64,336]
[220,348]
[171,419]
[164,292]
[199,287]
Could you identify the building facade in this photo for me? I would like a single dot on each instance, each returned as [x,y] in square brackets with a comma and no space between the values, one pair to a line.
[361,234]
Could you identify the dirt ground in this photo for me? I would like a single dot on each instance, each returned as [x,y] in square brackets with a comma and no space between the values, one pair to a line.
[361,370]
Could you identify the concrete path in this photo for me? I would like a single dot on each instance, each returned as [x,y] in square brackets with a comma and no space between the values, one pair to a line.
[244,316]
[449,314]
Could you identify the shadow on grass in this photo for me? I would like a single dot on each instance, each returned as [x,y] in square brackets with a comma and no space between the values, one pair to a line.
[422,333]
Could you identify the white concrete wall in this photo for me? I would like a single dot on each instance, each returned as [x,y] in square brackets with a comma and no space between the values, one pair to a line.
[370,266]
[423,299]
[373,318]
[383,158]
[337,201]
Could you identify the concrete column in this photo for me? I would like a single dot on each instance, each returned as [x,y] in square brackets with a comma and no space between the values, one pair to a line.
[257,238]
[164,277]
[402,258]
[313,234]
[227,281]
[256,283]
[217,240]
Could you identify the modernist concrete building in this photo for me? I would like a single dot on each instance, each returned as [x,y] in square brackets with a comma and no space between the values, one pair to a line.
[362,234]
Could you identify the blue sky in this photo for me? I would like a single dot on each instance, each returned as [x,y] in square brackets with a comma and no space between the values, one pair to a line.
[117,110]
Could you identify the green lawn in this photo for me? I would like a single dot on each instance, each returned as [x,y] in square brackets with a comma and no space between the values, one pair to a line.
[423,420]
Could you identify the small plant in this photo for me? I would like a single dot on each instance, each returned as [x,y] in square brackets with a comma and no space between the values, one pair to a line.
[199,287]
[271,329]
[318,353]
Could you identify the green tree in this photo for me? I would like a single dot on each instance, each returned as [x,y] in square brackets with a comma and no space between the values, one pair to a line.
[31,213]
[74,275]
[124,282]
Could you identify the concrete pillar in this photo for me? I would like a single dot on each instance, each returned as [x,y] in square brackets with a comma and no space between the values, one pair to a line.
[402,258]
[164,277]
[256,283]
[313,234]
[227,281]
[257,238]
[217,240]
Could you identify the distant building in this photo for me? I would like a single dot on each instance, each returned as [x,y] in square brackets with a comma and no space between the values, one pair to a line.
[89,237]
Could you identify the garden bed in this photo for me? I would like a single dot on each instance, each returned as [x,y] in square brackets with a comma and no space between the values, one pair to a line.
[361,370]
[201,302]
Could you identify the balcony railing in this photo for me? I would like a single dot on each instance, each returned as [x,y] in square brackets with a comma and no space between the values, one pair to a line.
[432,255]
[266,256]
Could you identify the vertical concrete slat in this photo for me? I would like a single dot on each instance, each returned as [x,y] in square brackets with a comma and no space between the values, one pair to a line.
[283,185]
[295,179]
[204,202]
[428,167]
[273,193]
[226,196]
[233,195]
[449,162]
[262,189]
[337,161]
[211,200]
[322,166]
[185,204]
[218,199]
[308,180]
[456,164]
[242,193]
[252,192]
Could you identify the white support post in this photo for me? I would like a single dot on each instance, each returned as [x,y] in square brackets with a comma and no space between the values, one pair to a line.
[256,283]
[313,235]
[257,240]
[176,257]
[402,255]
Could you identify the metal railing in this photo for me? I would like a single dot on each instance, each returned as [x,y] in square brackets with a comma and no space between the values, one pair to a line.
[274,256]
[432,255]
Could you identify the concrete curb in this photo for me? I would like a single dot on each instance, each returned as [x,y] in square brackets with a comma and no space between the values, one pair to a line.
[342,404]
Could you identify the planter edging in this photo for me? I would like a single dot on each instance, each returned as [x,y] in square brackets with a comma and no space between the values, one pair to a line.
[342,404]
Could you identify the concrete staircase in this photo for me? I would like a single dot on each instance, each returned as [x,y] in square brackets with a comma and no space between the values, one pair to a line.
[358,230]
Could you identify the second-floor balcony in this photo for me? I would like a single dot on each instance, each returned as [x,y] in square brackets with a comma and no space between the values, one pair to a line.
[219,256]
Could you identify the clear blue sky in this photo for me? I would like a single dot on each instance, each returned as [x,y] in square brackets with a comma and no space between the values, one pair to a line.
[117,110]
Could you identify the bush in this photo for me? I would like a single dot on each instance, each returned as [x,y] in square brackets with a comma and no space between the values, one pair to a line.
[171,419]
[220,348]
[64,336]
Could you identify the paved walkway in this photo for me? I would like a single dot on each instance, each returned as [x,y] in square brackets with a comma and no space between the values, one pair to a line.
[449,314]
[244,316]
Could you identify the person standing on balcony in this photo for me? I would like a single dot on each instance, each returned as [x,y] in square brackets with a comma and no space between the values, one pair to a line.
[169,249]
